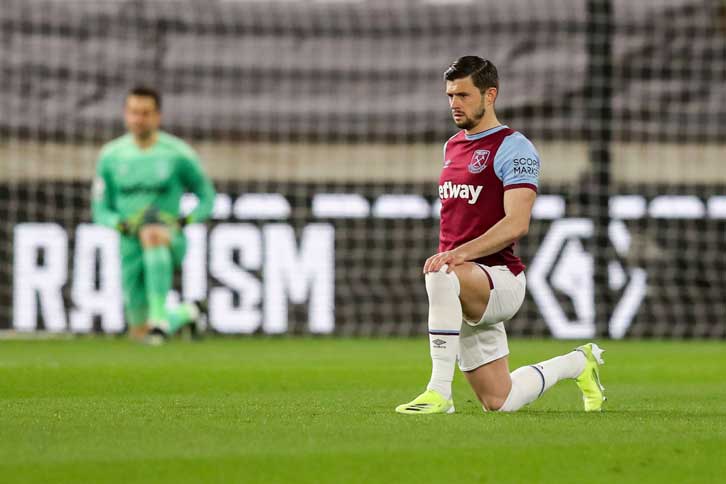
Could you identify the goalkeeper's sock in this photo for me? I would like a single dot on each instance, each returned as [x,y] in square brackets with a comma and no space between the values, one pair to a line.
[530,382]
[180,316]
[158,272]
[445,317]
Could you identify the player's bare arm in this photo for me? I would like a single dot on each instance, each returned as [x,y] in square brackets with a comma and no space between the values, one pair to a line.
[518,204]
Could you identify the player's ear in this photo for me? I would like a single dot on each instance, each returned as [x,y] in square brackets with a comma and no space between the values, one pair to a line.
[491,95]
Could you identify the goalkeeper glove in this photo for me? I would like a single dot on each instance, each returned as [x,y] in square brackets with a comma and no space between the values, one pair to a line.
[152,215]
[185,220]
[124,228]
[131,225]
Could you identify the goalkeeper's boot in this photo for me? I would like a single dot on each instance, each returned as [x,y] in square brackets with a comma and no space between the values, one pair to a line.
[199,326]
[593,393]
[429,401]
[157,335]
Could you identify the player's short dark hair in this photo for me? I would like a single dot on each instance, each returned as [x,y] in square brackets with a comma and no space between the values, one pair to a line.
[482,72]
[146,91]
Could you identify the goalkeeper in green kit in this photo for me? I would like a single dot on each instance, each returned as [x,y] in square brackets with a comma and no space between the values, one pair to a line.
[140,179]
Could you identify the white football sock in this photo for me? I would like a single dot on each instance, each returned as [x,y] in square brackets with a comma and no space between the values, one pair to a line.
[530,382]
[444,325]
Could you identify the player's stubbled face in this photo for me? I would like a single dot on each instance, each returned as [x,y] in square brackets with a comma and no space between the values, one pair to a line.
[141,116]
[466,102]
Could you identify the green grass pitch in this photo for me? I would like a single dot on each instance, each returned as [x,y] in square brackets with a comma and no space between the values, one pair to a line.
[321,410]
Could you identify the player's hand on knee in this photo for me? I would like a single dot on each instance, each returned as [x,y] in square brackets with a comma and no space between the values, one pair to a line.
[436,262]
[449,258]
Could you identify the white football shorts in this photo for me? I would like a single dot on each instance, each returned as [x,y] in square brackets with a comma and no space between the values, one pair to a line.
[486,340]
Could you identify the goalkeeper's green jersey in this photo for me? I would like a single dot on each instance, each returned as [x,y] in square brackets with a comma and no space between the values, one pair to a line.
[130,179]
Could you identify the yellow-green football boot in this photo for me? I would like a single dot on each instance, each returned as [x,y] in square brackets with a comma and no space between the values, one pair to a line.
[593,393]
[428,402]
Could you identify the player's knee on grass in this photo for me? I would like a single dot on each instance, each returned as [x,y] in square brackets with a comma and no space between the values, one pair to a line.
[136,320]
[491,383]
[138,332]
[490,402]
[136,317]
[493,404]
